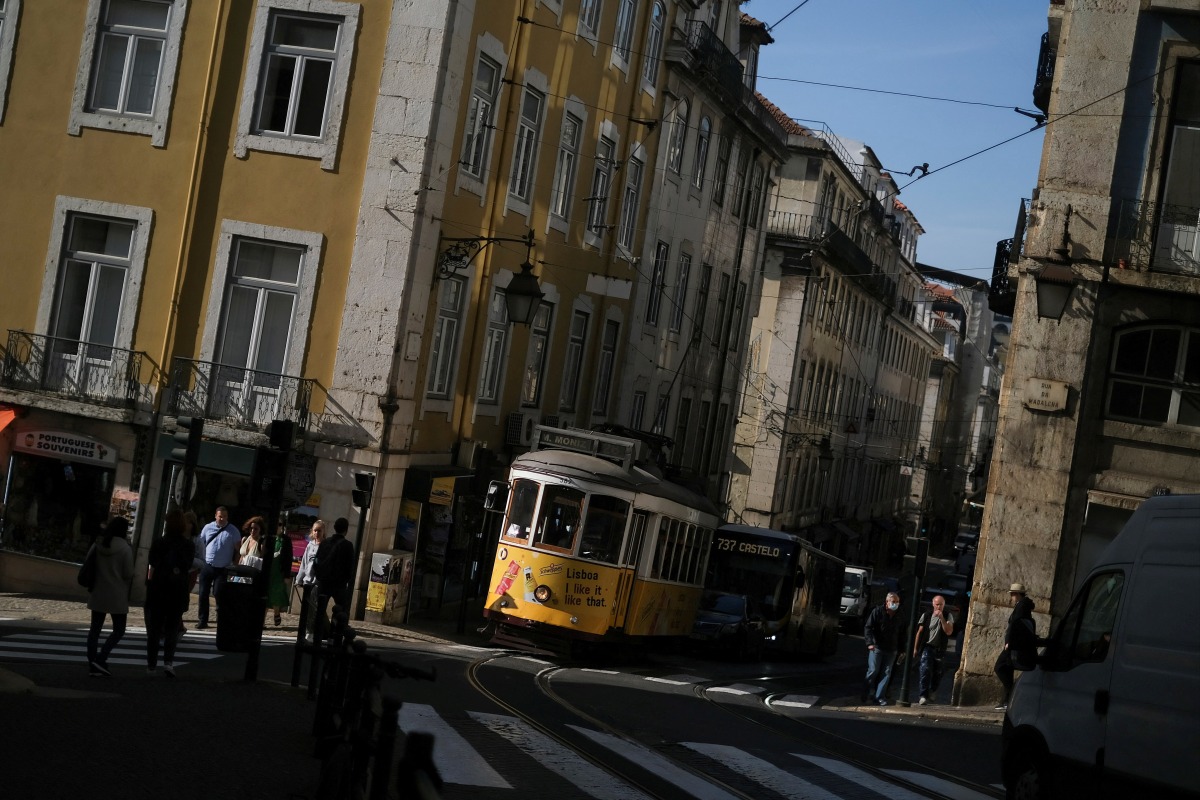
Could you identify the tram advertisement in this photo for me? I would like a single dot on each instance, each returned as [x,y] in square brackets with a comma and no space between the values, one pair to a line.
[568,589]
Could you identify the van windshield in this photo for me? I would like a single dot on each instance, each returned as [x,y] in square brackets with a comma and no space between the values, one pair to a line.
[852,583]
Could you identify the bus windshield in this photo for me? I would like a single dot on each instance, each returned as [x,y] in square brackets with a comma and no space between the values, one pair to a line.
[759,565]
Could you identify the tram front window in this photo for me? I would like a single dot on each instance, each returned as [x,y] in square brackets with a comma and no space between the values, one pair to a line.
[558,522]
[604,528]
[520,509]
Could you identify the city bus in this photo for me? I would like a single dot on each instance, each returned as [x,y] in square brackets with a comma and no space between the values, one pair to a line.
[595,547]
[794,587]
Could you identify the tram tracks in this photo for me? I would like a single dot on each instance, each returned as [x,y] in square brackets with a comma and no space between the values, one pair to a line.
[639,777]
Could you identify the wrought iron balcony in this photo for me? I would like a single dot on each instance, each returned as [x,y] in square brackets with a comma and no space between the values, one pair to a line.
[711,59]
[248,399]
[85,372]
[1159,237]
[804,227]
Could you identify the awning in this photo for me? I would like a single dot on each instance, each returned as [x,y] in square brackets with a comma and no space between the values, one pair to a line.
[7,415]
[845,530]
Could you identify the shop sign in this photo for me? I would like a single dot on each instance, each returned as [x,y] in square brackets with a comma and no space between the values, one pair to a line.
[67,446]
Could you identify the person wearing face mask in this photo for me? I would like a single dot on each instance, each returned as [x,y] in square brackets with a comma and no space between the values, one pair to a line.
[882,636]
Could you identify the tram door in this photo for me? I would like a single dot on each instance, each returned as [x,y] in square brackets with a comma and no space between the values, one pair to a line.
[630,556]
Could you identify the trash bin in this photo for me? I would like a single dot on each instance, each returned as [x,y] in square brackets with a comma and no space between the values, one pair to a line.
[240,609]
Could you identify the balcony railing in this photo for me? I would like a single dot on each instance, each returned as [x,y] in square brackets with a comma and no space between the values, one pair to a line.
[1159,237]
[795,226]
[248,399]
[82,371]
[237,397]
[711,58]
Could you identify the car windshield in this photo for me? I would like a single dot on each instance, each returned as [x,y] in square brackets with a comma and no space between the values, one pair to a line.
[851,583]
[727,604]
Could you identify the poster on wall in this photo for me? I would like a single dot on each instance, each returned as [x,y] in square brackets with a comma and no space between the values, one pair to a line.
[408,525]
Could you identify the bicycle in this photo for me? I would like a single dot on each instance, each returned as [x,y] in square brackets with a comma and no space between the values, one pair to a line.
[356,723]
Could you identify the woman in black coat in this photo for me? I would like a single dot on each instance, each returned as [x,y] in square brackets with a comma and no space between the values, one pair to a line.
[167,591]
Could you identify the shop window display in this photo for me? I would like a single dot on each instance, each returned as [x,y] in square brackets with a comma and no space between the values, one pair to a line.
[53,508]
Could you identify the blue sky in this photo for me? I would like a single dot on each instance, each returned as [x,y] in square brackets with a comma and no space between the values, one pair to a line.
[983,51]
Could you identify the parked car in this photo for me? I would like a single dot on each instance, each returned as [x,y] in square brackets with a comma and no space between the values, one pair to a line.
[966,540]
[727,624]
[856,597]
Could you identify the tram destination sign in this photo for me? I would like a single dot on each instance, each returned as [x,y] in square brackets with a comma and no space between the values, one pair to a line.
[748,547]
[609,447]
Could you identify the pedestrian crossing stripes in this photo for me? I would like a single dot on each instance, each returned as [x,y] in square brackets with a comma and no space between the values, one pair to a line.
[467,754]
[48,646]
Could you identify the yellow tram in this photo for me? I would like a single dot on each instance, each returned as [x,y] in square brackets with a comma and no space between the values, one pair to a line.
[596,546]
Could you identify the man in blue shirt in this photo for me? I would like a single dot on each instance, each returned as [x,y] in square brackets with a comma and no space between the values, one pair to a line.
[220,539]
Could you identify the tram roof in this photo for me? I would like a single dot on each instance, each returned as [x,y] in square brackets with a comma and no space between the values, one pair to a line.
[633,478]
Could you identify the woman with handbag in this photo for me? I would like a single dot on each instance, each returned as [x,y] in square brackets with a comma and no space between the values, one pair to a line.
[251,551]
[109,594]
[171,557]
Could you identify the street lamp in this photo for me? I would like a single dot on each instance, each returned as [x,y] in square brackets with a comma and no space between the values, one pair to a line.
[523,295]
[1054,284]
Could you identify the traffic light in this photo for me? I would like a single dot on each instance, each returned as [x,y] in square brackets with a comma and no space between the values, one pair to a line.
[364,486]
[188,431]
[916,555]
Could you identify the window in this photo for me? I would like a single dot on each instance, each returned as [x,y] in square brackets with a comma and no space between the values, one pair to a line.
[529,130]
[293,102]
[601,185]
[679,122]
[495,347]
[623,38]
[654,41]
[629,204]
[443,352]
[637,410]
[604,374]
[481,117]
[522,503]
[10,11]
[91,284]
[750,68]
[718,443]
[1155,376]
[699,321]
[702,439]
[735,326]
[682,434]
[1085,633]
[589,16]
[702,140]
[657,280]
[535,362]
[721,170]
[564,175]
[126,74]
[260,305]
[558,520]
[659,423]
[739,182]
[1177,245]
[722,304]
[604,529]
[129,52]
[681,286]
[572,363]
[756,197]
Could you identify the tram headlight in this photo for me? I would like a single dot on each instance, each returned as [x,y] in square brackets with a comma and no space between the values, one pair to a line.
[542,593]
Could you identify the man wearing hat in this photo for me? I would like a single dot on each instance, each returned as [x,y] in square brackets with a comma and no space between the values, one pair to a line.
[1020,642]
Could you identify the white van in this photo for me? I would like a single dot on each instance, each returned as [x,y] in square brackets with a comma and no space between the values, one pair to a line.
[1113,708]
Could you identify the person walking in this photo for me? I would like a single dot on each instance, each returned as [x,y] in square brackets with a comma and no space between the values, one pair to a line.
[167,589]
[882,635]
[934,629]
[281,573]
[250,551]
[1020,642]
[109,594]
[221,540]
[334,569]
[306,576]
